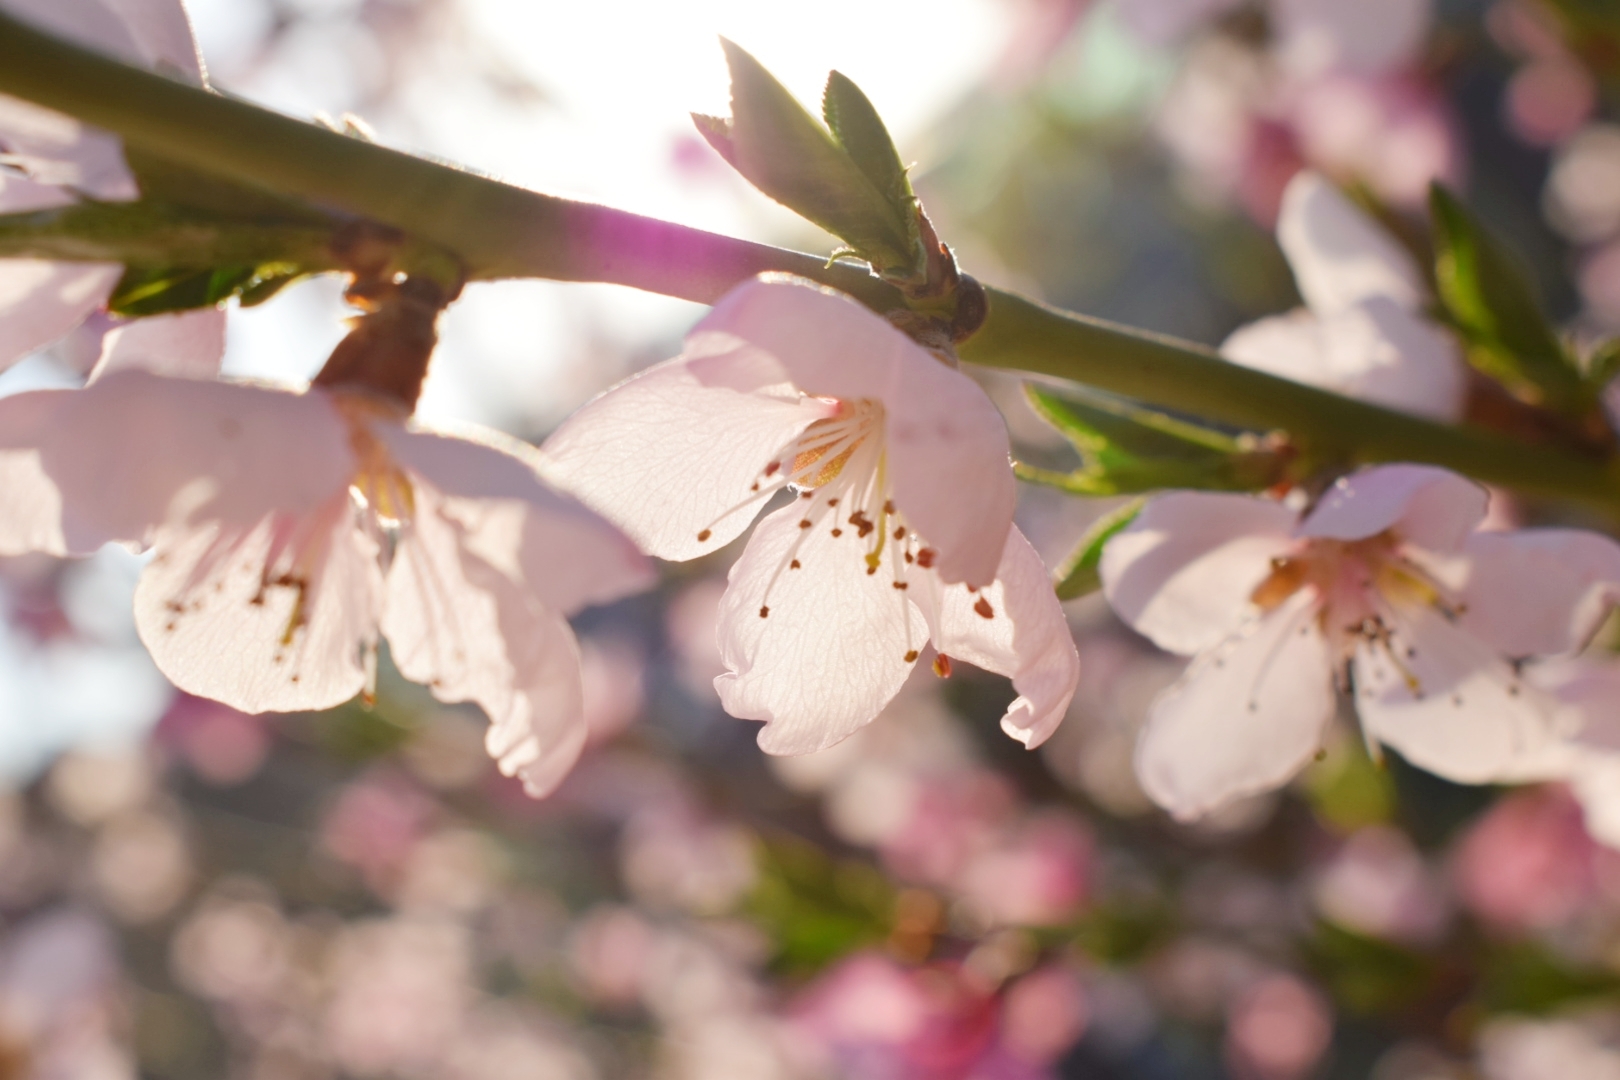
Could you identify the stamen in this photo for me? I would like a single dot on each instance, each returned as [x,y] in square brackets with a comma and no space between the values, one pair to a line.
[983,609]
[942,666]
[764,612]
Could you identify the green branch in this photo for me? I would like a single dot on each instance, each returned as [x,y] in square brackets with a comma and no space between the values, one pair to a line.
[499,230]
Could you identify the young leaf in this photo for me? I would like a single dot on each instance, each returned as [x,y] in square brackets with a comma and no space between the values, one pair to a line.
[1126,449]
[783,151]
[1078,574]
[860,131]
[1489,301]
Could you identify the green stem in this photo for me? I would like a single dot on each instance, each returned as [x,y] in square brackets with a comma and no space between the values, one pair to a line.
[503,231]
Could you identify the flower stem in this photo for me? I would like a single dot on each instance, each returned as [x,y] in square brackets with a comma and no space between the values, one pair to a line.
[500,231]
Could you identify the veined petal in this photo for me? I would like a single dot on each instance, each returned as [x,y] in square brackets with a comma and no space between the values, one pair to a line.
[41,301]
[471,633]
[832,650]
[1247,715]
[1339,255]
[30,501]
[1426,506]
[1184,571]
[1447,701]
[948,455]
[217,628]
[136,451]
[184,345]
[1375,350]
[563,553]
[676,451]
[1025,637]
[1537,592]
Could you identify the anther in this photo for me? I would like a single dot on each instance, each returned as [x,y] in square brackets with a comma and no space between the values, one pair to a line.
[794,565]
[942,666]
[770,470]
[870,570]
[911,656]
[926,557]
[837,531]
[832,502]
[900,533]
[983,608]
[804,523]
[764,612]
[807,494]
[902,585]
[704,535]
[888,506]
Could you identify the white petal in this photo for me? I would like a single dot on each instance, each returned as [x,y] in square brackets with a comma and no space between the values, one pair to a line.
[41,301]
[673,452]
[30,501]
[1183,572]
[471,633]
[136,450]
[1538,592]
[1339,255]
[1375,351]
[564,553]
[832,651]
[1447,702]
[948,450]
[184,345]
[1595,782]
[1426,506]
[217,630]
[1025,638]
[1248,714]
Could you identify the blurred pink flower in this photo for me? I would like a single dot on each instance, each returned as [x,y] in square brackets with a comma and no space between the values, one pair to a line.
[222,745]
[1527,863]
[1278,1030]
[1363,331]
[1036,875]
[1385,585]
[60,1008]
[59,160]
[375,825]
[899,464]
[1378,884]
[302,527]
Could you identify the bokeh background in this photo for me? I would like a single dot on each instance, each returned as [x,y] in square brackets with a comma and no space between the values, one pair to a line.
[189,892]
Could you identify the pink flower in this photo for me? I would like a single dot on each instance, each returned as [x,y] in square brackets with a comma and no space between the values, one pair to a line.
[1385,587]
[1362,332]
[58,160]
[900,532]
[291,531]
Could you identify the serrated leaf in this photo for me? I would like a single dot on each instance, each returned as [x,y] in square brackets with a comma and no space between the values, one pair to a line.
[861,132]
[1488,299]
[1127,449]
[1078,575]
[782,150]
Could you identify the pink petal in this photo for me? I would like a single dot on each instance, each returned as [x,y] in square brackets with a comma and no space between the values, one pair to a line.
[135,451]
[1447,701]
[564,554]
[673,452]
[471,633]
[948,450]
[56,149]
[1026,637]
[89,23]
[1248,714]
[1368,37]
[184,345]
[1595,782]
[162,34]
[1425,506]
[217,630]
[832,651]
[41,301]
[30,501]
[1538,592]
[20,195]
[1184,571]
[1339,255]
[1375,351]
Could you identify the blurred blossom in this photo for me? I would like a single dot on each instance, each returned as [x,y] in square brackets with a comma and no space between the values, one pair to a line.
[671,857]
[1547,100]
[690,622]
[1392,134]
[446,750]
[1278,1030]
[1527,863]
[87,787]
[1043,1015]
[502,1043]
[608,954]
[1369,37]
[1599,281]
[1513,1048]
[1582,197]
[611,672]
[232,949]
[1037,874]
[1162,21]
[375,824]
[1378,884]
[1207,118]
[400,993]
[221,745]
[60,1010]
[1198,977]
[453,872]
[141,865]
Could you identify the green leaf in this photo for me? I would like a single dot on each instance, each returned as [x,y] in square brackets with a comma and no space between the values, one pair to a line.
[814,908]
[156,290]
[1489,301]
[1127,449]
[1603,364]
[861,132]
[1078,575]
[783,151]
